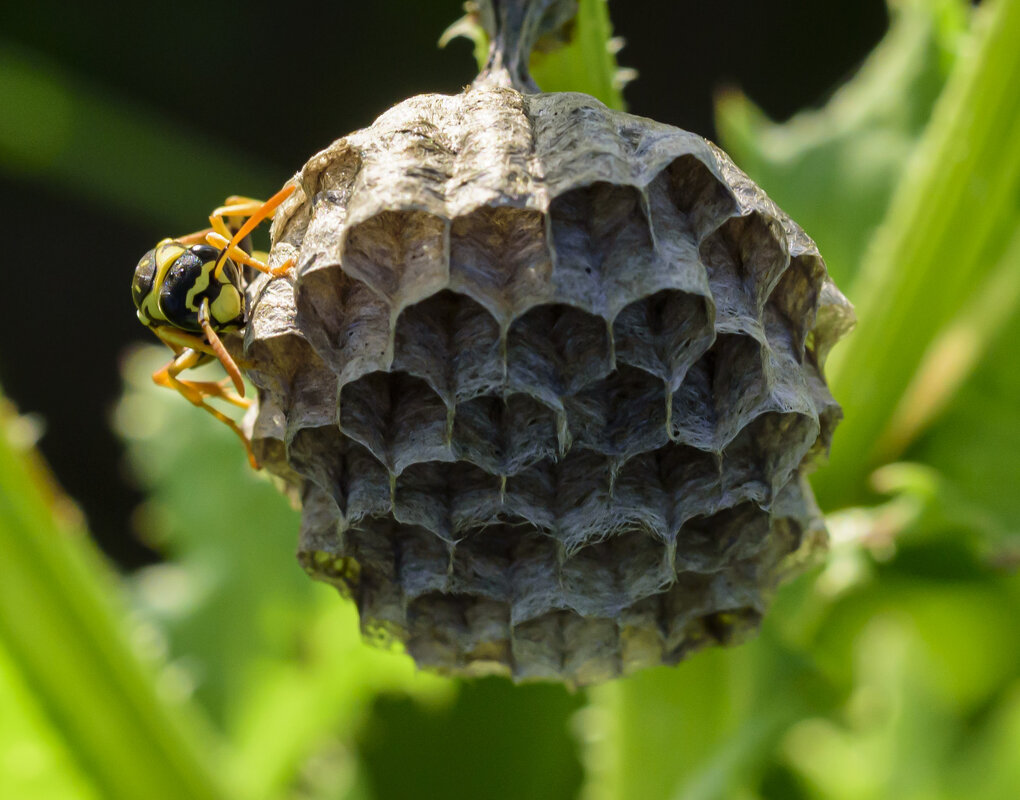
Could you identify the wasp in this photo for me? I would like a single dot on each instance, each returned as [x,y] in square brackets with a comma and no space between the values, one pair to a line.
[190,289]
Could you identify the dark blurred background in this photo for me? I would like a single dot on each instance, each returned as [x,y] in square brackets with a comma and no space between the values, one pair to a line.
[254,90]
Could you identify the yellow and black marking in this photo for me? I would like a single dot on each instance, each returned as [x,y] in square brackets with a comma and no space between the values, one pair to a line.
[185,277]
[188,290]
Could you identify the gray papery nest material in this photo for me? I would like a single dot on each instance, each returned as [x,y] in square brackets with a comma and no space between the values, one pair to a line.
[547,378]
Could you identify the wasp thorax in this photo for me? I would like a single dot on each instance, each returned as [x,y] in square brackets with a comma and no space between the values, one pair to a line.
[548,380]
[173,281]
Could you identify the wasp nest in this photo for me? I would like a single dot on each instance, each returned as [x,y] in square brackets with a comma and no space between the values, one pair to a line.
[547,377]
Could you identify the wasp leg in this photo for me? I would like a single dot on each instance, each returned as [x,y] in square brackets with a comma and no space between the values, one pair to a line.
[263,212]
[193,392]
[219,241]
[217,346]
[238,206]
[178,340]
[219,390]
[194,238]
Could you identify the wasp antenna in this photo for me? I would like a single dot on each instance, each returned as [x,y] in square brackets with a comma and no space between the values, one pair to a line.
[265,211]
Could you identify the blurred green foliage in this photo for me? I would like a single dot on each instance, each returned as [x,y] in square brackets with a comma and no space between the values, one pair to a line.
[890,671]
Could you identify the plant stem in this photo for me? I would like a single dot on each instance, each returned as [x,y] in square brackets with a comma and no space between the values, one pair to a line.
[64,638]
[938,240]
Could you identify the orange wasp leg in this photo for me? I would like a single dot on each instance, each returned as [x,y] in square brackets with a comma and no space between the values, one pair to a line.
[178,340]
[238,255]
[194,392]
[263,212]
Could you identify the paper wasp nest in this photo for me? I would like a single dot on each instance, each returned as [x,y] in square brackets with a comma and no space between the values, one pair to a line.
[548,379]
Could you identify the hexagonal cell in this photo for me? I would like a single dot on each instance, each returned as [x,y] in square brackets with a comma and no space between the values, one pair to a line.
[378,594]
[698,195]
[641,639]
[685,601]
[706,544]
[317,455]
[437,630]
[400,254]
[452,343]
[534,575]
[787,537]
[827,409]
[447,499]
[759,243]
[269,430]
[537,647]
[398,417]
[367,484]
[582,499]
[422,559]
[531,494]
[556,350]
[664,334]
[796,296]
[319,527]
[745,258]
[311,397]
[503,435]
[591,649]
[494,153]
[603,578]
[605,256]
[692,413]
[275,350]
[328,179]
[740,385]
[421,497]
[688,479]
[476,498]
[784,370]
[745,583]
[621,415]
[639,499]
[575,140]
[486,649]
[764,455]
[674,235]
[482,562]
[501,258]
[346,322]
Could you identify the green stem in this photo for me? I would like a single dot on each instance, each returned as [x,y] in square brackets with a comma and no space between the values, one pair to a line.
[938,241]
[64,638]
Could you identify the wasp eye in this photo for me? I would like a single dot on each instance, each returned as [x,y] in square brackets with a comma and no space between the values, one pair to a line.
[145,274]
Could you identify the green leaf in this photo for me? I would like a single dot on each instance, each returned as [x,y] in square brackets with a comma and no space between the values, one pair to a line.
[585,62]
[232,591]
[264,648]
[34,761]
[975,444]
[834,169]
[943,231]
[67,643]
[496,741]
[705,728]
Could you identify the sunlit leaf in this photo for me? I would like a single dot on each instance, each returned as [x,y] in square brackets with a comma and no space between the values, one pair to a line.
[34,761]
[833,169]
[941,238]
[68,642]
